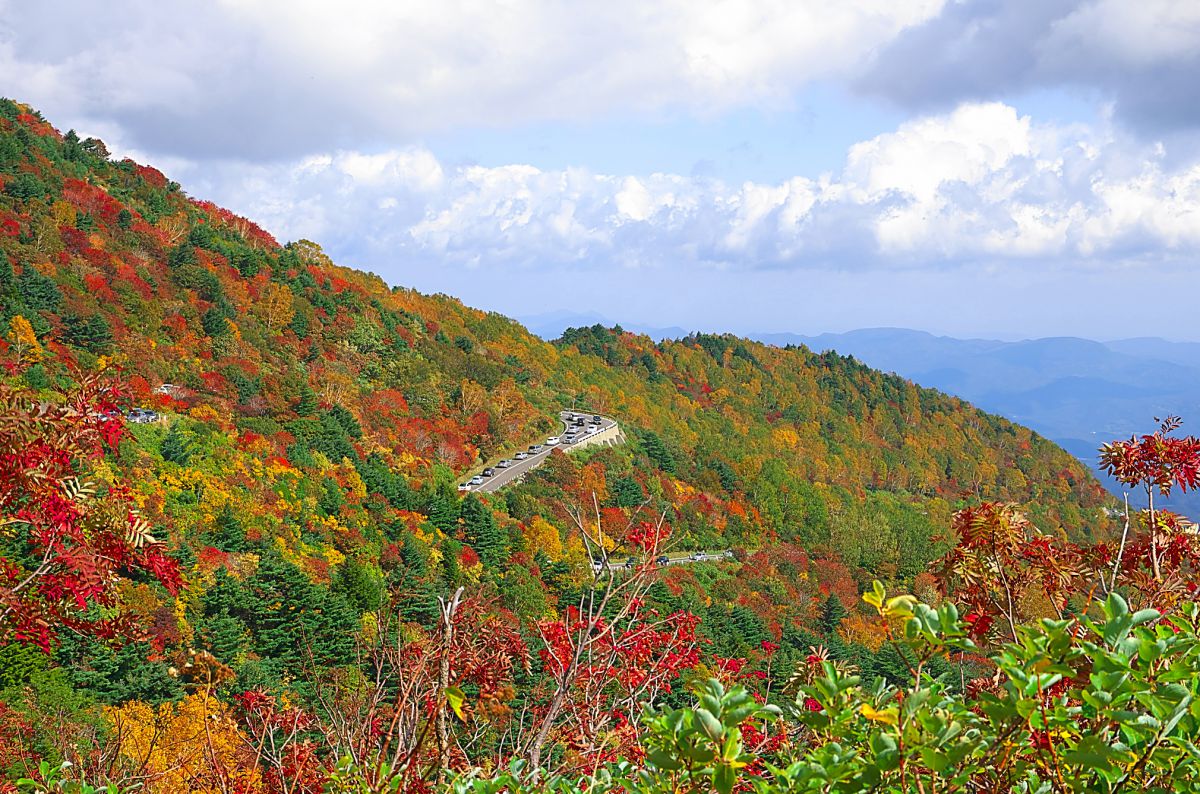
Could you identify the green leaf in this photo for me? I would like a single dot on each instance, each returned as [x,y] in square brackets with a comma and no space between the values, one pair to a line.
[663,761]
[724,778]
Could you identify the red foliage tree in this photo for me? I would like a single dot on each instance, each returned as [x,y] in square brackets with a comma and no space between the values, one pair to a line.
[1155,463]
[76,540]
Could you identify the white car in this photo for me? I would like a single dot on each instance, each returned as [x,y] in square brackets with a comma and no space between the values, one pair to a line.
[552,441]
[504,464]
[521,455]
[464,486]
[476,480]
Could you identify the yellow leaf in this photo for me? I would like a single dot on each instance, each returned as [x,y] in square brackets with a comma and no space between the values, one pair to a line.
[455,697]
[888,716]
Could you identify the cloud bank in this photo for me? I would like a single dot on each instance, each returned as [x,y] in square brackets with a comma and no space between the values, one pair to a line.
[189,78]
[1143,56]
[980,184]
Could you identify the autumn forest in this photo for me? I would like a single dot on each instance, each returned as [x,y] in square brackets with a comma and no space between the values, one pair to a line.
[274,585]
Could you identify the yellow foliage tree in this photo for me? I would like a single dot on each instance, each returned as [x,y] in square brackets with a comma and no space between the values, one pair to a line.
[543,536]
[24,341]
[63,213]
[275,307]
[189,747]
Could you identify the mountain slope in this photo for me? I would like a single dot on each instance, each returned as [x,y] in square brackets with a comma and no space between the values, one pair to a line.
[314,420]
[1077,392]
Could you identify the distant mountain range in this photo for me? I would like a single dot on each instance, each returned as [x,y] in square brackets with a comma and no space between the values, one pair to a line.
[1079,393]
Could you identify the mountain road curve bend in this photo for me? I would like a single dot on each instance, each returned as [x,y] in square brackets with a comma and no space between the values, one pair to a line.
[580,430]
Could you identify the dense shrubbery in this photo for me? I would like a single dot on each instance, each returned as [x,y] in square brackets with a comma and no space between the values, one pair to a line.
[1087,705]
[1083,705]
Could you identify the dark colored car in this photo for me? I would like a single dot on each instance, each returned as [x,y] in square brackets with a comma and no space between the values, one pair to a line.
[596,420]
[488,472]
[631,562]
[662,559]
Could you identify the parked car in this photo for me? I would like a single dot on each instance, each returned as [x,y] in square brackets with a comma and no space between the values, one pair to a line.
[631,563]
[489,472]
[504,464]
[521,455]
[662,559]
[552,441]
[699,557]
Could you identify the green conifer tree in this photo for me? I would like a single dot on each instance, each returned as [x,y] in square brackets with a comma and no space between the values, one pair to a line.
[832,614]
[176,447]
[481,532]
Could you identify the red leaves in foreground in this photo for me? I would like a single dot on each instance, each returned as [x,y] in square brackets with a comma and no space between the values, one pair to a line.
[1005,572]
[77,539]
[1157,461]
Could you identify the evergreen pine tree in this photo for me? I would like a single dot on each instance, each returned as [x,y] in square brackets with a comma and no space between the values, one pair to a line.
[627,492]
[228,533]
[308,401]
[441,500]
[289,617]
[658,452]
[360,584]
[832,614]
[226,638]
[175,446]
[482,533]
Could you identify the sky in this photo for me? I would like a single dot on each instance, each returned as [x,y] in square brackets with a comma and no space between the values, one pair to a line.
[1003,168]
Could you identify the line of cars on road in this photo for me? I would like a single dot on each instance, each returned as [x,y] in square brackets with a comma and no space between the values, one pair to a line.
[139,416]
[578,426]
[663,559]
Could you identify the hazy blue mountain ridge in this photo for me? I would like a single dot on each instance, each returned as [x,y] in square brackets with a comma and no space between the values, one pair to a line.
[1078,392]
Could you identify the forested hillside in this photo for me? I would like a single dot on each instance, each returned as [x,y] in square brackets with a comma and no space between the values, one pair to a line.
[314,422]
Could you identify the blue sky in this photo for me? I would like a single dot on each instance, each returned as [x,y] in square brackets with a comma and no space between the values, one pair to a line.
[975,167]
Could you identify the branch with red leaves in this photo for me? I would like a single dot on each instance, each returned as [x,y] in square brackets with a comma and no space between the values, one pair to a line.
[68,541]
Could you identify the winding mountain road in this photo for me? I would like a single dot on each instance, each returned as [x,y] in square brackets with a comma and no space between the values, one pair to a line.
[620,562]
[519,468]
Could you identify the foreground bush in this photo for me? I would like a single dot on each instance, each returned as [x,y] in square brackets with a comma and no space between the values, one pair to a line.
[1081,705]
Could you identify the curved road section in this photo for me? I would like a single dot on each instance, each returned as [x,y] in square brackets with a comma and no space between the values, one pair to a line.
[586,434]
[619,562]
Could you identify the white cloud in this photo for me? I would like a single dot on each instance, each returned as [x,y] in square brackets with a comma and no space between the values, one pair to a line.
[283,78]
[979,184]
